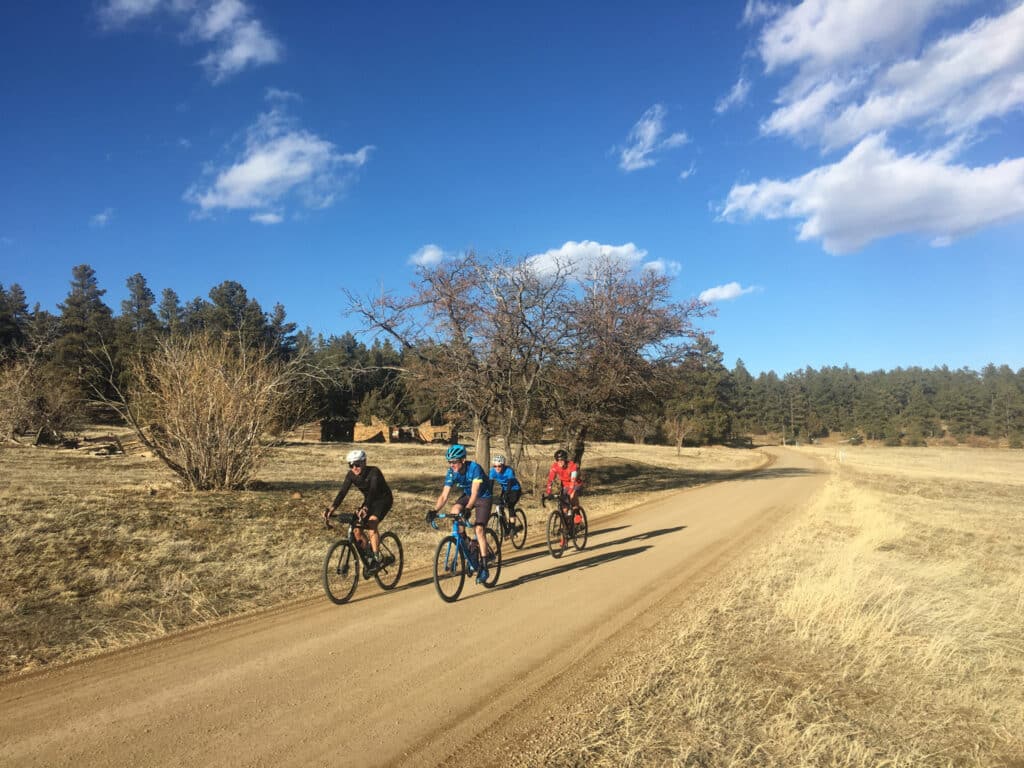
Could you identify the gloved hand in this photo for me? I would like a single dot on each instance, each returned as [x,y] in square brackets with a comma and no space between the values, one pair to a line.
[431,517]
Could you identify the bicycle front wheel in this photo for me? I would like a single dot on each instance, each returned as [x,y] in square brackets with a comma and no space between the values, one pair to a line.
[449,569]
[556,534]
[341,572]
[496,523]
[580,529]
[519,529]
[493,558]
[391,555]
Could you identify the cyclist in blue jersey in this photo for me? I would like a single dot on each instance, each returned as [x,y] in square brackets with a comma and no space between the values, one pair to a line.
[505,476]
[474,493]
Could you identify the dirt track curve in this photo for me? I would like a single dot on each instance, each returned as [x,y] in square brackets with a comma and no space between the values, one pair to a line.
[299,685]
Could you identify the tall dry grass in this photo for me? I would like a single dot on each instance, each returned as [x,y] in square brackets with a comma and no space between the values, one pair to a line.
[99,552]
[886,628]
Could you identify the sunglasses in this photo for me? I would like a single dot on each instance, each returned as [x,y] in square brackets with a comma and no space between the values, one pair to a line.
[354,464]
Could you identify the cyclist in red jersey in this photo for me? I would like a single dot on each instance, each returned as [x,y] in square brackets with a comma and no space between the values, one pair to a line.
[568,474]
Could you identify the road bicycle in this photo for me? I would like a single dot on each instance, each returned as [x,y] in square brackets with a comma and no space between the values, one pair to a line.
[341,564]
[508,523]
[565,525]
[458,554]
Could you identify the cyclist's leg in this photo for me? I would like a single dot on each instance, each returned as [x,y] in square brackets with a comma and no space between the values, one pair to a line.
[482,513]
[511,499]
[377,511]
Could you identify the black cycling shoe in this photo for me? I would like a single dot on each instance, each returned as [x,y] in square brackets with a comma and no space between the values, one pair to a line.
[371,568]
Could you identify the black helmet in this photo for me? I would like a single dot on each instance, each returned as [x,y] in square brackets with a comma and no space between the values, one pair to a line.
[561,455]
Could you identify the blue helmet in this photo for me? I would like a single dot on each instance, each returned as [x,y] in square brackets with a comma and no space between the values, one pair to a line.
[455,453]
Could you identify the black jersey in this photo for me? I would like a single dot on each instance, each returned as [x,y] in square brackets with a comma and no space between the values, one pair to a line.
[370,481]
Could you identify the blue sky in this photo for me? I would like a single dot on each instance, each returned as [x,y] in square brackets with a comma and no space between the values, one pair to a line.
[843,180]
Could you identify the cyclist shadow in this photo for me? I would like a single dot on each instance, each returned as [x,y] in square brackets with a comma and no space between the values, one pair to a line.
[571,565]
[643,536]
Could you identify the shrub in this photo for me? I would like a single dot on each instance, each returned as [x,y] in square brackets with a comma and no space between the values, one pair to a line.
[203,405]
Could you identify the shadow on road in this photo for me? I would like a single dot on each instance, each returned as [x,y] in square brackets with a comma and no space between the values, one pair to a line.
[571,565]
[540,550]
[774,473]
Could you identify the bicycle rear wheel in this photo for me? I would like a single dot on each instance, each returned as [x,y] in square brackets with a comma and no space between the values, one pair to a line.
[449,569]
[493,558]
[341,572]
[556,534]
[580,529]
[391,553]
[519,529]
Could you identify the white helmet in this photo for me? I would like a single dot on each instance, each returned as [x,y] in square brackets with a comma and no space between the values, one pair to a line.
[356,457]
[499,460]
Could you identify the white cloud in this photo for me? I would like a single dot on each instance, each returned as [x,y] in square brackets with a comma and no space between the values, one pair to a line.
[280,159]
[580,258]
[117,13]
[688,172]
[427,256]
[863,71]
[874,192]
[735,97]
[278,95]
[958,82]
[955,82]
[759,10]
[645,140]
[819,34]
[663,267]
[238,39]
[102,218]
[267,218]
[726,292]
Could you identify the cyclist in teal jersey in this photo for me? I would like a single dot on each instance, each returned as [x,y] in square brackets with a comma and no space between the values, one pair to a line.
[474,493]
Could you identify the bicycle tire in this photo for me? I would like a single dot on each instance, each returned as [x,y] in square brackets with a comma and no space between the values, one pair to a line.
[556,534]
[495,523]
[580,530]
[390,545]
[518,536]
[494,558]
[449,569]
[341,572]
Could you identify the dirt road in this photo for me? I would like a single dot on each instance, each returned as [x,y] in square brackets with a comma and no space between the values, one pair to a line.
[400,677]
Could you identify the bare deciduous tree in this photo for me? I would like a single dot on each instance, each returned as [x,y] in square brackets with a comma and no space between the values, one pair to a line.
[477,334]
[627,333]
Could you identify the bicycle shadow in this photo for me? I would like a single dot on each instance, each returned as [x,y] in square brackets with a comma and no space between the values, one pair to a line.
[564,567]
[642,536]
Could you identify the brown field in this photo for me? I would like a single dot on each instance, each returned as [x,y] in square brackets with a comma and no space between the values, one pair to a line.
[100,552]
[884,627]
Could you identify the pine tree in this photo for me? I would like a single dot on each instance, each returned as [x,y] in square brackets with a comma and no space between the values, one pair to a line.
[87,333]
[138,325]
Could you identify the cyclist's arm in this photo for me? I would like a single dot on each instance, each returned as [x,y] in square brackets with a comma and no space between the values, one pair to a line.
[474,492]
[551,478]
[442,499]
[341,495]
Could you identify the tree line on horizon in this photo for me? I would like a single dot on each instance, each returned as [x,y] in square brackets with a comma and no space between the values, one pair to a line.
[613,359]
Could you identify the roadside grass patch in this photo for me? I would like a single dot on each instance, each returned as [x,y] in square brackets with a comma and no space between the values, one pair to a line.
[885,627]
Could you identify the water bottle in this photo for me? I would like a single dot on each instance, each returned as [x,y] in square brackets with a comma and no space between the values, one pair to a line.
[474,553]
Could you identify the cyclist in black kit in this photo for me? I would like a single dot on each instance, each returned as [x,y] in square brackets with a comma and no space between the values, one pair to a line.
[377,501]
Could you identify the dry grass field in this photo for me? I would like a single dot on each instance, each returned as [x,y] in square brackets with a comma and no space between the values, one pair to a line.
[885,627]
[100,552]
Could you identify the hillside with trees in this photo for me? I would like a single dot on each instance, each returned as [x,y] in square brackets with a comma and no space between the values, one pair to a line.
[509,353]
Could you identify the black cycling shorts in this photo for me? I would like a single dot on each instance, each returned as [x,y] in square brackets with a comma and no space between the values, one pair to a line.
[379,508]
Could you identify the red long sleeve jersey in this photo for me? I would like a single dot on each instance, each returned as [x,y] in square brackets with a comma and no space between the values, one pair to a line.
[569,477]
